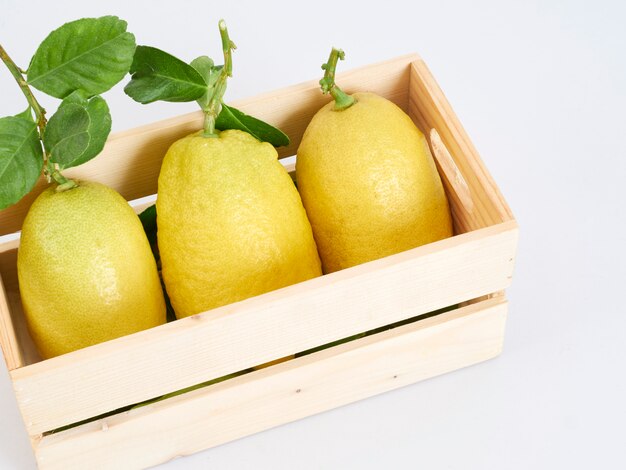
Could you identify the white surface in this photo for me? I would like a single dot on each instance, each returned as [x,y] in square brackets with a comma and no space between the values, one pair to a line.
[540,88]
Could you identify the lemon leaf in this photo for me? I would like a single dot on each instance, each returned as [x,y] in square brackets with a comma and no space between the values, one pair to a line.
[210,72]
[77,132]
[21,158]
[90,54]
[148,218]
[26,114]
[159,76]
[232,118]
[148,221]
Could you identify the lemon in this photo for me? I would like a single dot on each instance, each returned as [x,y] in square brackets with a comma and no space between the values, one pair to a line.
[86,271]
[369,184]
[230,222]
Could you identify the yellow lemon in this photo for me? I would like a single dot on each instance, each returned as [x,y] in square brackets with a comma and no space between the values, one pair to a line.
[369,183]
[86,271]
[230,222]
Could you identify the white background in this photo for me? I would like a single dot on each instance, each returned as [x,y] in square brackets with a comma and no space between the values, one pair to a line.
[540,87]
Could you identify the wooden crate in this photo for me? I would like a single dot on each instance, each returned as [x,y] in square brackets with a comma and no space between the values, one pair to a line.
[470,269]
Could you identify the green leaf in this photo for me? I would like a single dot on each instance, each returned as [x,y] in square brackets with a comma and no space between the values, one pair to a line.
[21,158]
[26,114]
[99,129]
[66,135]
[148,219]
[231,118]
[91,54]
[149,223]
[210,72]
[159,76]
[204,66]
[77,132]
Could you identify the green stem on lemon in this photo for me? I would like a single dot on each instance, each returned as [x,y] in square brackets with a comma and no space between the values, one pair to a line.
[215,102]
[342,100]
[209,124]
[63,183]
[19,78]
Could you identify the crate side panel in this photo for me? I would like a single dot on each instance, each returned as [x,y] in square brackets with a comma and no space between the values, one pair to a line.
[282,393]
[457,190]
[8,271]
[430,109]
[128,370]
[131,160]
[8,337]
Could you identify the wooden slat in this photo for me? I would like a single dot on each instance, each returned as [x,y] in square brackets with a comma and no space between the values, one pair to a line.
[131,160]
[11,297]
[430,109]
[457,190]
[150,363]
[286,392]
[8,338]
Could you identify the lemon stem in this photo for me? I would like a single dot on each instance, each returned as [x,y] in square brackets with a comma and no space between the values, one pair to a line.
[63,183]
[342,100]
[18,74]
[215,102]
[19,78]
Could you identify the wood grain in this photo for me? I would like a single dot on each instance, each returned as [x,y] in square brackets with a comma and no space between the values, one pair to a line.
[286,392]
[24,350]
[8,338]
[430,109]
[264,328]
[457,190]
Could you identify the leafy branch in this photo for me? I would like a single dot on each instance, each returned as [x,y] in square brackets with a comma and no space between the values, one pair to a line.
[18,74]
[96,54]
[159,76]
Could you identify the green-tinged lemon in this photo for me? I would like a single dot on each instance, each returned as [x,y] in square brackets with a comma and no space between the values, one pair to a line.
[86,271]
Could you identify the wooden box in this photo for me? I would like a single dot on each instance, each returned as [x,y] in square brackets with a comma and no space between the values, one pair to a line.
[468,271]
